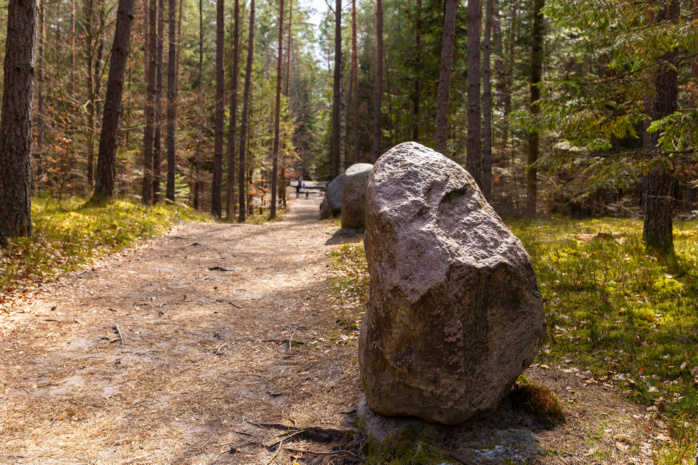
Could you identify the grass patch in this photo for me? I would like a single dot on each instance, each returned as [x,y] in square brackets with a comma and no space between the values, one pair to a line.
[349,284]
[539,400]
[618,311]
[69,233]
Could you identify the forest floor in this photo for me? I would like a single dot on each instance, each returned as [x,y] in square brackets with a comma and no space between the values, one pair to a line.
[186,349]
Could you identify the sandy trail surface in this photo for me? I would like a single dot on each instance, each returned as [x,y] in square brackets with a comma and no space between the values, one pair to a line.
[169,352]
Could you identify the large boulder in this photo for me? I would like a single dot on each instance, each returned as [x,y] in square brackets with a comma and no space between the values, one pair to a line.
[332,203]
[354,196]
[454,314]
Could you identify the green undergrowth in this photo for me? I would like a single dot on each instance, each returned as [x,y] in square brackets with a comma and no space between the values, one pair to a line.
[69,233]
[616,313]
[538,400]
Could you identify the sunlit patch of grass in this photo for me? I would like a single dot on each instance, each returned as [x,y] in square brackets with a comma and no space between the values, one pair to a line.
[69,233]
[617,310]
[349,284]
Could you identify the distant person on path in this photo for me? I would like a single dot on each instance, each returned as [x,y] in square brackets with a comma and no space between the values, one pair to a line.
[298,188]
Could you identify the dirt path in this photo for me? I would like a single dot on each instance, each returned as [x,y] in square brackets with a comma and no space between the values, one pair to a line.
[165,355]
[172,352]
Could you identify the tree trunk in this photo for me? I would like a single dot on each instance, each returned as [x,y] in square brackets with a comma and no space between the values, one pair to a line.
[658,228]
[173,64]
[487,104]
[336,92]
[288,48]
[536,76]
[157,148]
[16,125]
[197,155]
[355,79]
[499,66]
[443,97]
[342,128]
[246,101]
[106,159]
[474,155]
[39,156]
[509,74]
[149,134]
[277,114]
[379,82]
[416,85]
[232,135]
[220,111]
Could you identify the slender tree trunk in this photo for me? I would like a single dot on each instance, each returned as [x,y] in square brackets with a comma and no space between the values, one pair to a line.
[149,134]
[379,82]
[40,100]
[90,47]
[509,74]
[16,126]
[473,147]
[106,159]
[173,64]
[288,48]
[232,139]
[355,80]
[220,110]
[342,127]
[157,148]
[658,225]
[246,101]
[536,76]
[442,100]
[337,92]
[416,85]
[487,104]
[499,66]
[197,169]
[277,114]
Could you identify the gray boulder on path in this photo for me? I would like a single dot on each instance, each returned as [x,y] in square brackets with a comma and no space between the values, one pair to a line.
[454,314]
[332,203]
[354,196]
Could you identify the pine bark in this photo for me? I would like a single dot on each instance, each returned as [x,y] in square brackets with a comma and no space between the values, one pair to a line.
[16,126]
[487,103]
[473,141]
[336,92]
[157,147]
[149,133]
[536,76]
[355,80]
[220,111]
[173,64]
[509,73]
[288,48]
[246,101]
[197,154]
[445,74]
[277,114]
[106,159]
[379,82]
[39,155]
[658,224]
[232,135]
[416,85]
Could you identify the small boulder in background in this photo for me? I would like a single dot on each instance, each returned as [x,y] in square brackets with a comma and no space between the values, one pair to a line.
[454,314]
[354,196]
[332,203]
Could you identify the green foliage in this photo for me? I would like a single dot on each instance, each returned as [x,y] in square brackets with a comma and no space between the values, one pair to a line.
[349,284]
[541,402]
[614,310]
[68,234]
